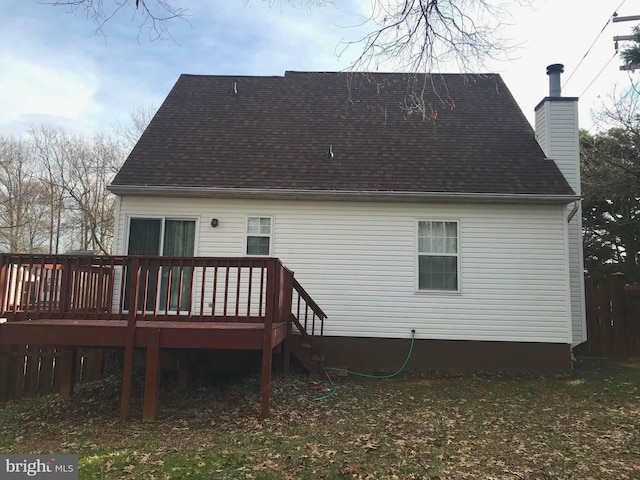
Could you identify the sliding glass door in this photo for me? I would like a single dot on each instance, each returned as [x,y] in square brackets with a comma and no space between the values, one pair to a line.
[163,237]
[179,240]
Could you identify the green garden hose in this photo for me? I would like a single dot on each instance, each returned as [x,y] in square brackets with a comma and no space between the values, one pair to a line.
[365,375]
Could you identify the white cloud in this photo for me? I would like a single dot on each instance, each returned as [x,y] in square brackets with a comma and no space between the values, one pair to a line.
[26,87]
[41,78]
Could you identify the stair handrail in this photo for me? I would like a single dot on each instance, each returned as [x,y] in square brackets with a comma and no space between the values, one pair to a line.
[307,298]
[317,312]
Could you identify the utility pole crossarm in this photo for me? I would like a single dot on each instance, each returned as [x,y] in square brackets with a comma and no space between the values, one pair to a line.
[630,18]
[620,38]
[630,55]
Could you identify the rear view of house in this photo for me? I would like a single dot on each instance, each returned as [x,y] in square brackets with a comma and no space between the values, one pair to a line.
[402,203]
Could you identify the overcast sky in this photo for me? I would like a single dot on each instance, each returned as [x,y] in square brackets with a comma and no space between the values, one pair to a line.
[56,69]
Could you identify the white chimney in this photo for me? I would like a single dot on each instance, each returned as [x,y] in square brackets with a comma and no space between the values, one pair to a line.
[557,134]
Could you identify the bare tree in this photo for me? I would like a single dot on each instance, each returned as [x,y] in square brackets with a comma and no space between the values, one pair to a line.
[139,119]
[76,172]
[92,166]
[22,212]
[48,146]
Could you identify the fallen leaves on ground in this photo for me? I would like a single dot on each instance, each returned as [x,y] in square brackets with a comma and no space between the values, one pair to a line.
[580,426]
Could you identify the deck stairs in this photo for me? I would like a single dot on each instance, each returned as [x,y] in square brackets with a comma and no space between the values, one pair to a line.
[305,348]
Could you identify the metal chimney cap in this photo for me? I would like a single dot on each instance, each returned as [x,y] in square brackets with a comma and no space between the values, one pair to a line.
[555,68]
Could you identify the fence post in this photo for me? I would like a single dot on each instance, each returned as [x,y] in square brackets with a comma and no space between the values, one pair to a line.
[5,372]
[93,364]
[67,371]
[619,316]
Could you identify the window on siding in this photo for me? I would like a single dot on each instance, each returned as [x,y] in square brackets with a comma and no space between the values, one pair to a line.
[259,236]
[438,258]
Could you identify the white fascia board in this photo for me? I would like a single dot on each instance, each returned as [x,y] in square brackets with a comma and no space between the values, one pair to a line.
[290,194]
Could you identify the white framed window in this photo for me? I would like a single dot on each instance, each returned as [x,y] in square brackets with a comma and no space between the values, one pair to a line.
[259,236]
[438,255]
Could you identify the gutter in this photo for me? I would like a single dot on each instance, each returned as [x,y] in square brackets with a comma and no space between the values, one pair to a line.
[337,195]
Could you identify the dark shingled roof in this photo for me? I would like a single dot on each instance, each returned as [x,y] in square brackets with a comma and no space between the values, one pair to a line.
[276,131]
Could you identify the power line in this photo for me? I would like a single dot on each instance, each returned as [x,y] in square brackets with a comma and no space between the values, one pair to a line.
[594,42]
[602,70]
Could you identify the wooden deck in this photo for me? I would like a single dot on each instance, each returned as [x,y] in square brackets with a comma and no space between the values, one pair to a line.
[182,303]
[101,333]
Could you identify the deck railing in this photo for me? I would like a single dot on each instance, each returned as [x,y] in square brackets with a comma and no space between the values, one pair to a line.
[156,288]
[46,286]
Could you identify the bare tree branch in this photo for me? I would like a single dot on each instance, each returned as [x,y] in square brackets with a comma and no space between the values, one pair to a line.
[413,36]
[426,35]
[139,119]
[153,16]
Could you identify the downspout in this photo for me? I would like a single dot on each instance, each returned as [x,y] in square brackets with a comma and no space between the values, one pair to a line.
[576,205]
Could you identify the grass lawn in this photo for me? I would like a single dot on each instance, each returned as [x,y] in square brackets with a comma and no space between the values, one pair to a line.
[579,426]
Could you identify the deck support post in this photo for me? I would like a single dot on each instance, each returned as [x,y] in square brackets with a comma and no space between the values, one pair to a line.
[286,313]
[152,378]
[127,379]
[67,371]
[265,384]
[271,311]
[127,369]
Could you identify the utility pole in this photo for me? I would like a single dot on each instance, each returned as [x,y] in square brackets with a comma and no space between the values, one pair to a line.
[623,38]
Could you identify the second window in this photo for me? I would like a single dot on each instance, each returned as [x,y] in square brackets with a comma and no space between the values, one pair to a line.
[259,236]
[438,261]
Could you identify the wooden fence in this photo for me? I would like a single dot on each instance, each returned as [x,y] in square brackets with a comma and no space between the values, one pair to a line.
[613,318]
[29,370]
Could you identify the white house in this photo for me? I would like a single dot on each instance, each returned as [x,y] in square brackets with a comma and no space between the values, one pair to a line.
[401,202]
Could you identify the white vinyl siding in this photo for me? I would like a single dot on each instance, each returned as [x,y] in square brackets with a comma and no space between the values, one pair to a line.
[358,261]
